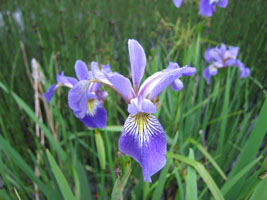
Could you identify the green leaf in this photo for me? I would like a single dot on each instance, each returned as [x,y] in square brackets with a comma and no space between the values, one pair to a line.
[202,172]
[120,183]
[61,180]
[208,156]
[260,192]
[100,150]
[234,180]
[191,180]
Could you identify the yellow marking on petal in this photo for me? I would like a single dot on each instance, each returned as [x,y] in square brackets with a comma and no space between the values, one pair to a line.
[212,68]
[141,121]
[92,107]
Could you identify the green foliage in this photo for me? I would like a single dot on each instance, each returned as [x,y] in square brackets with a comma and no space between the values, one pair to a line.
[222,126]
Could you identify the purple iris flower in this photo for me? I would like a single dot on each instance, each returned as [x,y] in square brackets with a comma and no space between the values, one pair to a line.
[220,57]
[178,3]
[143,137]
[84,98]
[208,7]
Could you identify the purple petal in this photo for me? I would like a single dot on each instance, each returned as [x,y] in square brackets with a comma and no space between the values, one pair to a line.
[205,8]
[223,3]
[244,72]
[177,85]
[172,65]
[168,78]
[49,94]
[189,71]
[81,70]
[78,98]
[232,52]
[98,119]
[212,54]
[144,139]
[122,85]
[106,68]
[137,61]
[140,104]
[209,72]
[65,80]
[178,3]
[98,74]
[231,62]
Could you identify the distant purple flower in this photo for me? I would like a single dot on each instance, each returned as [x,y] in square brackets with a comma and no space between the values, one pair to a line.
[220,57]
[178,3]
[84,97]
[208,7]
[143,137]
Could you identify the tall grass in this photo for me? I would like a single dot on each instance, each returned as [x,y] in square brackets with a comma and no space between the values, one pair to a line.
[216,133]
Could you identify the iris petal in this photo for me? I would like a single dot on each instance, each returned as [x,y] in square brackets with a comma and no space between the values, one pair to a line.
[97,118]
[49,94]
[81,70]
[223,3]
[205,8]
[140,104]
[178,3]
[144,139]
[137,61]
[78,98]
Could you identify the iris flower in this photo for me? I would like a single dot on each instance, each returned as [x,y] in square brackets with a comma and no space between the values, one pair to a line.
[178,3]
[84,98]
[208,7]
[143,137]
[220,57]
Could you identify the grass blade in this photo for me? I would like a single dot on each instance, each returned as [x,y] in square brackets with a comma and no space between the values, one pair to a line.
[61,180]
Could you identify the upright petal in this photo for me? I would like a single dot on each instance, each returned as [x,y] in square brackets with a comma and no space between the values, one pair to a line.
[78,98]
[140,104]
[100,75]
[49,94]
[122,85]
[137,61]
[223,3]
[97,118]
[205,8]
[81,70]
[144,139]
[178,3]
[212,54]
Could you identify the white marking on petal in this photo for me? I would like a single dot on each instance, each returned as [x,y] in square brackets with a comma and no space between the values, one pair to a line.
[142,126]
[93,104]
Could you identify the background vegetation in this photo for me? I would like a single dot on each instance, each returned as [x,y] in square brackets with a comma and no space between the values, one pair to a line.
[221,126]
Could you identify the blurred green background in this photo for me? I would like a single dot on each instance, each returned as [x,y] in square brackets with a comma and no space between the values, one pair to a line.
[219,117]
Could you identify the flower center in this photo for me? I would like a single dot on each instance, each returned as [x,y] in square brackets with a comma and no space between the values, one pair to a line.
[212,69]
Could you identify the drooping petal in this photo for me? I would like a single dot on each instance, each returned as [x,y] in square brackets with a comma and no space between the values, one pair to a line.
[244,72]
[177,85]
[230,62]
[97,117]
[65,80]
[49,94]
[178,3]
[122,85]
[144,139]
[138,62]
[223,3]
[81,70]
[205,8]
[78,98]
[209,72]
[140,104]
